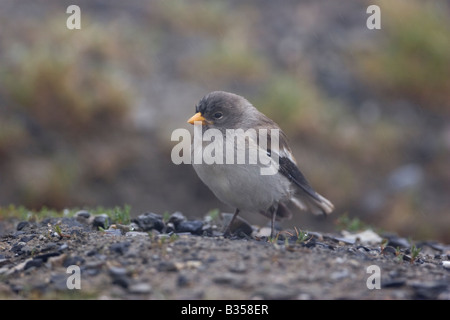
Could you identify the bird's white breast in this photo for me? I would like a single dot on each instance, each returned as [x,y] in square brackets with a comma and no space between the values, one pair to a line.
[242,185]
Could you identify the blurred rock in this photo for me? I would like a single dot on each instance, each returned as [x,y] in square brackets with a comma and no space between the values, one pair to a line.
[149,221]
[240,225]
[101,221]
[136,234]
[176,218]
[428,289]
[22,224]
[119,247]
[140,288]
[396,241]
[194,227]
[83,214]
[405,177]
[119,276]
[365,237]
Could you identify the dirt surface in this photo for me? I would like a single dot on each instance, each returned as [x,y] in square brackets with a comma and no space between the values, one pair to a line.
[35,260]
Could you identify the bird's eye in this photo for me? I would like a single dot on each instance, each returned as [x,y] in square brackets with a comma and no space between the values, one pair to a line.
[218,115]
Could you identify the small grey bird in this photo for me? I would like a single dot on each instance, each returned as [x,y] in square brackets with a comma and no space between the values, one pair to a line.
[241,185]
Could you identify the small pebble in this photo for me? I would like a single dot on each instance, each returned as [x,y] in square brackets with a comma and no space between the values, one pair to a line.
[136,234]
[446,264]
[101,221]
[194,227]
[149,221]
[83,214]
[167,266]
[140,288]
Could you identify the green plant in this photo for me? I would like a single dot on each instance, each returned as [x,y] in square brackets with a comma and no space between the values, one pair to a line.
[383,245]
[121,215]
[344,222]
[166,216]
[414,253]
[173,237]
[273,240]
[302,236]
[213,214]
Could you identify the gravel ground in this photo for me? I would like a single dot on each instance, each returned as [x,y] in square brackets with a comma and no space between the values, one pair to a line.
[180,259]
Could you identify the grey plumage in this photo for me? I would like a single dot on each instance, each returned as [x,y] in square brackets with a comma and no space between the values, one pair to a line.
[241,185]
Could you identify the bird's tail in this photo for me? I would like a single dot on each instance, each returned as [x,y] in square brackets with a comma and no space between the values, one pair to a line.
[319,206]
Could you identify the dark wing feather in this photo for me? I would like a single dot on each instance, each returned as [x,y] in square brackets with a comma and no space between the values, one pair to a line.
[290,170]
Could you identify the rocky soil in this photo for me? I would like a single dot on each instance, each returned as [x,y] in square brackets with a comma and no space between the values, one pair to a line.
[151,258]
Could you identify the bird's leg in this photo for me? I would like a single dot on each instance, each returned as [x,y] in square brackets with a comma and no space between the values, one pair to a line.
[227,229]
[274,210]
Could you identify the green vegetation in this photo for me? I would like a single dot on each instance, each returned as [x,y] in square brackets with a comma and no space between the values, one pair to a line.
[117,214]
[415,61]
[344,222]
[213,215]
[415,251]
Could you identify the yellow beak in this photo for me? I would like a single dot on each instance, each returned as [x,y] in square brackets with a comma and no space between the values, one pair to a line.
[197,117]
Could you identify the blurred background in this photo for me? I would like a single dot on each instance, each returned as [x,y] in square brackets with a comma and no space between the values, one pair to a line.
[86,115]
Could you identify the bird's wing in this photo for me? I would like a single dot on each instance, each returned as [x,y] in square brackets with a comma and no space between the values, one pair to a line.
[290,170]
[286,162]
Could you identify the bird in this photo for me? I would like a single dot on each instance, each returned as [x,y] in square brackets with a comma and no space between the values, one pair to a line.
[241,185]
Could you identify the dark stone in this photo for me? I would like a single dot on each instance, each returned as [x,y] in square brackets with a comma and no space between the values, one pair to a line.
[22,224]
[393,283]
[17,234]
[176,218]
[428,290]
[123,282]
[389,250]
[276,292]
[240,225]
[119,277]
[325,245]
[71,222]
[194,227]
[44,257]
[16,288]
[229,279]
[83,214]
[437,246]
[36,262]
[4,261]
[119,247]
[310,243]
[341,239]
[182,281]
[167,266]
[170,228]
[239,267]
[149,220]
[396,241]
[28,250]
[16,248]
[59,281]
[50,246]
[75,260]
[46,221]
[92,252]
[117,272]
[27,238]
[101,221]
